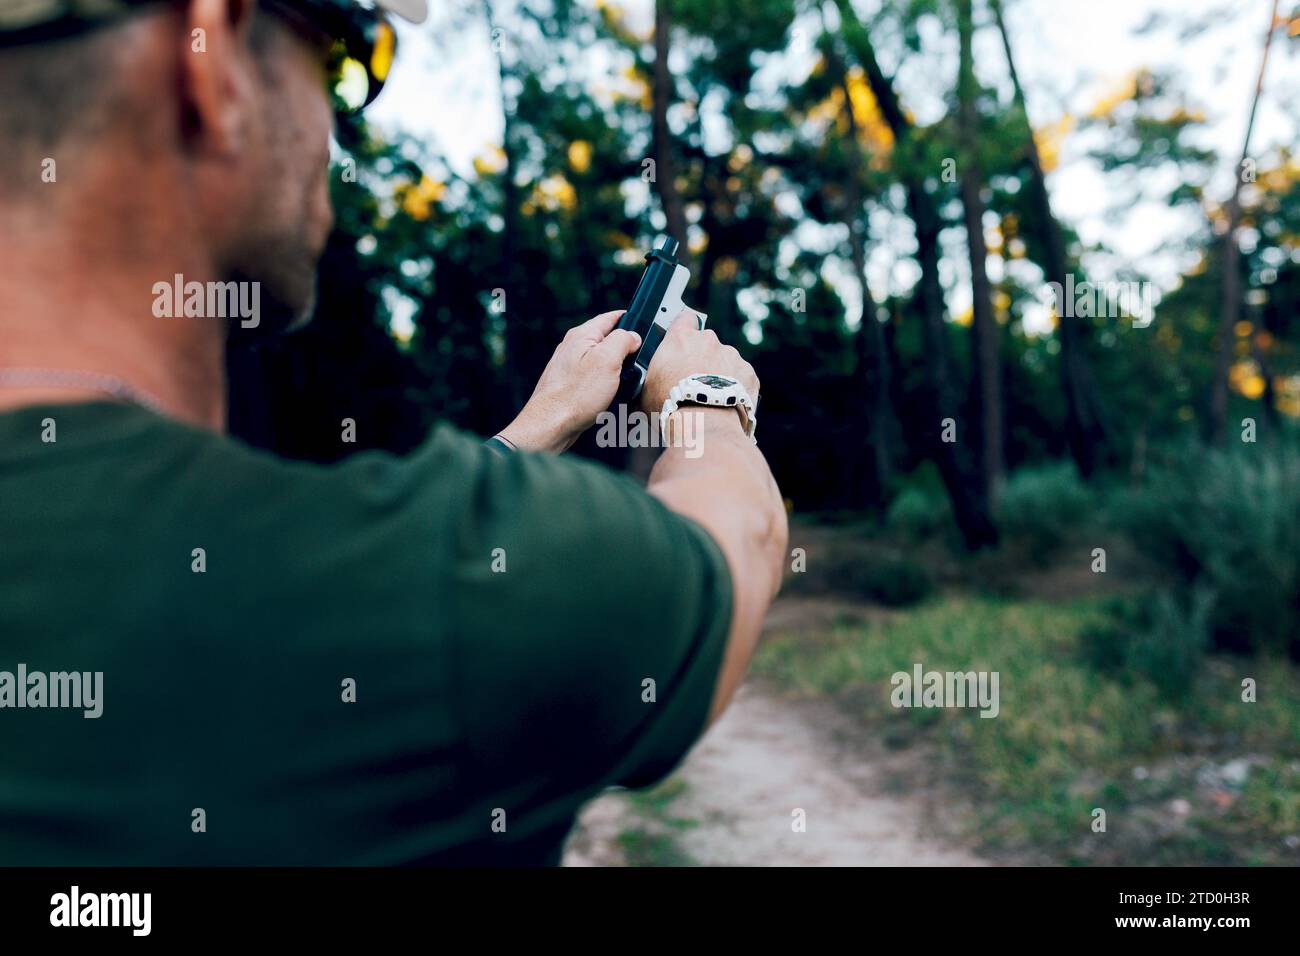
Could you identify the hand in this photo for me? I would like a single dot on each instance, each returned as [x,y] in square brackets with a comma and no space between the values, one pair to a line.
[685,351]
[577,384]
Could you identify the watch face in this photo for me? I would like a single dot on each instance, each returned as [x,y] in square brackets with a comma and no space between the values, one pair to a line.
[715,381]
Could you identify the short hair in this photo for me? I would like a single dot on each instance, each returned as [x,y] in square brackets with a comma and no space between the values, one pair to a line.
[64,91]
[56,91]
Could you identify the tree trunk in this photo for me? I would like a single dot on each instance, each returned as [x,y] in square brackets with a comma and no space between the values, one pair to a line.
[873,369]
[968,505]
[972,517]
[665,165]
[1230,302]
[516,334]
[987,367]
[1087,432]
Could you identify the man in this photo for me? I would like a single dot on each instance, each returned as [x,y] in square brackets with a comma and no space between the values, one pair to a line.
[432,659]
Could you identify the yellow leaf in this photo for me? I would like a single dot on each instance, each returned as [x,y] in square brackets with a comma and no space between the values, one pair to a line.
[1287,388]
[1245,379]
[1049,139]
[580,156]
[873,132]
[552,194]
[1123,91]
[491,162]
[417,200]
[872,128]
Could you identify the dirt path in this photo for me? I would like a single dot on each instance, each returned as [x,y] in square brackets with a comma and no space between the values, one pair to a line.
[733,800]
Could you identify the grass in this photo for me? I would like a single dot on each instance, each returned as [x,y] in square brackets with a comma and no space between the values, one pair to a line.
[642,848]
[653,842]
[1069,739]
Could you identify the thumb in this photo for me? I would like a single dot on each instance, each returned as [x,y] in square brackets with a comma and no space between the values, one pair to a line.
[616,346]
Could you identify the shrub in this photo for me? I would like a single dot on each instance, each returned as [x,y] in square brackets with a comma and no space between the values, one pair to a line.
[1040,504]
[1229,522]
[918,513]
[896,582]
[1162,639]
[1169,651]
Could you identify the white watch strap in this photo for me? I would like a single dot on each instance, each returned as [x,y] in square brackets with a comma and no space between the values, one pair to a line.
[690,390]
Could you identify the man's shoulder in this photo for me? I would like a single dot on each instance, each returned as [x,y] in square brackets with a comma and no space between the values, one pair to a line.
[226,468]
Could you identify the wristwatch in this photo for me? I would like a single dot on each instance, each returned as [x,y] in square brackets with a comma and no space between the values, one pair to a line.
[713,390]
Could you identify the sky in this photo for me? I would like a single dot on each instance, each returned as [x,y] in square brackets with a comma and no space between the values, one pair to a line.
[1070,54]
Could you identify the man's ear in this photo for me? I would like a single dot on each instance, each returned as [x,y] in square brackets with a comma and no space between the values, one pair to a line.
[218,75]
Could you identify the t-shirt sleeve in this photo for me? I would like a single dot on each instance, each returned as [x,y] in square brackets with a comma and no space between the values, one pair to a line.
[589,624]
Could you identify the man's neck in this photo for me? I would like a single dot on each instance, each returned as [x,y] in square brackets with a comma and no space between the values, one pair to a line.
[70,302]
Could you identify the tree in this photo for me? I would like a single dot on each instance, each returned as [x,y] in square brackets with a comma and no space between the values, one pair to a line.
[665,162]
[1230,305]
[516,334]
[969,508]
[873,364]
[987,365]
[1087,431]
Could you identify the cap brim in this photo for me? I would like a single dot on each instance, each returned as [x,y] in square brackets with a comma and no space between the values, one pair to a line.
[416,11]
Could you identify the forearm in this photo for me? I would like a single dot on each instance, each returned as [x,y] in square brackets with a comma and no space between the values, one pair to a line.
[729,490]
[577,384]
[531,431]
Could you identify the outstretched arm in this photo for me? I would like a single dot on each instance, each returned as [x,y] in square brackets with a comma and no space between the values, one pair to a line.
[726,488]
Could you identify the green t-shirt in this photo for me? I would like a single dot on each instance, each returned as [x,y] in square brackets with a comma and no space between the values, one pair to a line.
[498,621]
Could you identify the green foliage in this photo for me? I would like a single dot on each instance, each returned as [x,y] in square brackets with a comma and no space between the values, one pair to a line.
[556,220]
[1069,736]
[642,848]
[1270,801]
[1042,504]
[894,582]
[653,842]
[1161,639]
[1229,522]
[1055,719]
[919,513]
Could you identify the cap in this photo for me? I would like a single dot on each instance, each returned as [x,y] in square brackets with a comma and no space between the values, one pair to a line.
[31,16]
[416,11]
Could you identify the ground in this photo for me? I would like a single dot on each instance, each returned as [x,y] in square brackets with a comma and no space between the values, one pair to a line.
[733,800]
[811,765]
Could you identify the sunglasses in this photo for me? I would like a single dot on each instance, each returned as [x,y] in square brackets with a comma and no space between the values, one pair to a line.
[357,42]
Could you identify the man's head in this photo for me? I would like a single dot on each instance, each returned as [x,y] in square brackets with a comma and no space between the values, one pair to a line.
[199,123]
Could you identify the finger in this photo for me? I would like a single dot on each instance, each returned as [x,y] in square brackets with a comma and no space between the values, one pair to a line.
[597,328]
[684,324]
[617,346]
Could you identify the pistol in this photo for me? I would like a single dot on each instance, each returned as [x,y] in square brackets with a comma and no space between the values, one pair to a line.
[657,302]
